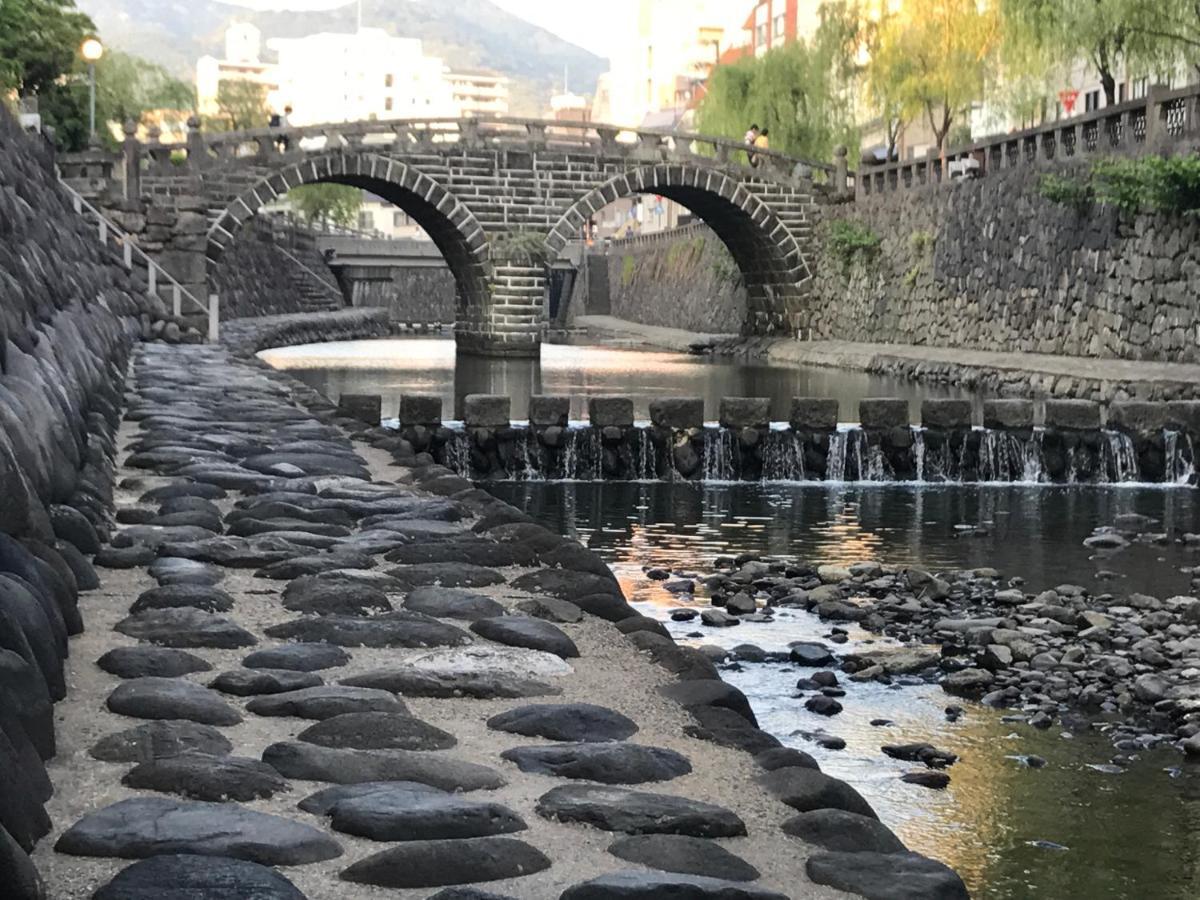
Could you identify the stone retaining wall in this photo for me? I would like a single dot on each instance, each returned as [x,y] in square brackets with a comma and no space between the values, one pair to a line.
[248,336]
[419,295]
[256,278]
[990,264]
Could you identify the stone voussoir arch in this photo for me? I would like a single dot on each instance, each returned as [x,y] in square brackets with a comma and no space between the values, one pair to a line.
[765,249]
[450,223]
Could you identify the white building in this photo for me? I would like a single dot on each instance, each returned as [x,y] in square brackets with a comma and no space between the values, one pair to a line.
[477,93]
[242,62]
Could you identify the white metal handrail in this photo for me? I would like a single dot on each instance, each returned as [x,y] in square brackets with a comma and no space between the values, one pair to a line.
[297,262]
[155,273]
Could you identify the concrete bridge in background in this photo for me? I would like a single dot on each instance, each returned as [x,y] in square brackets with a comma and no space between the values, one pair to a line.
[499,197]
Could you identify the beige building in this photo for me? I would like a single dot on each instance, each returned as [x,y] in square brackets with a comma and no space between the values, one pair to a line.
[478,93]
[242,62]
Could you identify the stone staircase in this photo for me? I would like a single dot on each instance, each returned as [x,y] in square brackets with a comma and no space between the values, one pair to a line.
[315,290]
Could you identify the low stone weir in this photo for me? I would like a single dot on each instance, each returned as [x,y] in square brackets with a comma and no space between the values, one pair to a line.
[1066,442]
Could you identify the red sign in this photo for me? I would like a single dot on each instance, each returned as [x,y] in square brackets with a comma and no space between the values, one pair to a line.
[1067,99]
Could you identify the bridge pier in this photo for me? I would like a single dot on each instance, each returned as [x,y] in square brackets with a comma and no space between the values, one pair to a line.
[510,322]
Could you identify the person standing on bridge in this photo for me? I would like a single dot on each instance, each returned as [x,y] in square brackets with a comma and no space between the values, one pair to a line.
[748,139]
[282,122]
[762,142]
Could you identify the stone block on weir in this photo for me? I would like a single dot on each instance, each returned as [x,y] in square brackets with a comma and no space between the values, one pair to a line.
[946,413]
[678,412]
[814,414]
[1073,415]
[1137,416]
[486,411]
[882,413]
[366,408]
[420,409]
[546,411]
[745,412]
[610,412]
[1011,415]
[1184,415]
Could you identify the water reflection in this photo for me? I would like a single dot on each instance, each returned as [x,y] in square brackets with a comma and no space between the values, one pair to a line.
[1129,835]
[392,367]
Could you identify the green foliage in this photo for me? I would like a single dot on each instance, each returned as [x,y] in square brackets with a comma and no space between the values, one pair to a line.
[526,247]
[724,268]
[798,92]
[128,87]
[911,276]
[922,242]
[241,105]
[1070,191]
[849,242]
[39,43]
[338,204]
[628,269]
[1150,184]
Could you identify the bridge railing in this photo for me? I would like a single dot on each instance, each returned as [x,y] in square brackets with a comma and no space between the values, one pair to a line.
[158,279]
[1149,124]
[214,149]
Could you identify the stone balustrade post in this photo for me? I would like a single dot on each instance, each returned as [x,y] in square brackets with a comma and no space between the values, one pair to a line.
[197,155]
[841,171]
[1156,124]
[608,140]
[537,134]
[132,149]
[468,133]
[933,166]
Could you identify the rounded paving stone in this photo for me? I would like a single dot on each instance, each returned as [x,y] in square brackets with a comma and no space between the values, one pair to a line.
[149,826]
[683,854]
[298,657]
[125,557]
[577,722]
[807,789]
[402,815]
[636,885]
[843,832]
[189,877]
[414,682]
[322,802]
[467,893]
[377,731]
[606,763]
[171,698]
[887,876]
[254,682]
[187,628]
[309,762]
[173,570]
[437,863]
[638,812]
[401,628]
[160,739]
[332,598]
[199,776]
[325,702]
[139,662]
[452,603]
[175,596]
[528,632]
[449,574]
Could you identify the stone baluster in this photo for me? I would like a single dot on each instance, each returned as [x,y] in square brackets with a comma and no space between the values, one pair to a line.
[197,153]
[536,132]
[1156,125]
[132,149]
[841,171]
[608,140]
[468,133]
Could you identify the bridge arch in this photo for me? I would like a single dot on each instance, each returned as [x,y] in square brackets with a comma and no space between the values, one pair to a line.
[765,249]
[448,222]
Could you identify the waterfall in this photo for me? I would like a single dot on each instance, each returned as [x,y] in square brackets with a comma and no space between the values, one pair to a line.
[644,465]
[1003,456]
[568,456]
[596,453]
[718,455]
[919,451]
[871,465]
[528,457]
[458,453]
[1120,458]
[1181,457]
[783,457]
[835,462]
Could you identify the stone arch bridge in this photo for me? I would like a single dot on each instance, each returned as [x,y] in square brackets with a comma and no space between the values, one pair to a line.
[500,198]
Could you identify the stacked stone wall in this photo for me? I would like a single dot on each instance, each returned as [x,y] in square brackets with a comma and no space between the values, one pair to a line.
[991,264]
[69,315]
[419,295]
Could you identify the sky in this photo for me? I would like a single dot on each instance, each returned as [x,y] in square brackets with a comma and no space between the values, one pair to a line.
[572,20]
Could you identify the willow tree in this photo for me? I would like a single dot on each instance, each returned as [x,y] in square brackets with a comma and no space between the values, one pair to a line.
[1164,33]
[932,57]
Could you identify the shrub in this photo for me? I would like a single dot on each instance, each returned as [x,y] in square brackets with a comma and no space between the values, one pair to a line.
[849,242]
[1151,184]
[628,265]
[520,246]
[1066,190]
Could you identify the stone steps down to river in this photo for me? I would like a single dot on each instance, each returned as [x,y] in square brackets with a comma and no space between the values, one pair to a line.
[457,742]
[1060,441]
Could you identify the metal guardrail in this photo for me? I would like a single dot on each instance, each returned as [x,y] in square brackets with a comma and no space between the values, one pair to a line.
[299,264]
[156,275]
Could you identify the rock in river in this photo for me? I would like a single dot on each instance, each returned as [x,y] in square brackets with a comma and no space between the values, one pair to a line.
[889,876]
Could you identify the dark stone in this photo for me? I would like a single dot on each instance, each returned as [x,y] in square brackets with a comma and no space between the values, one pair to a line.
[138,662]
[171,570]
[807,789]
[253,682]
[327,598]
[298,657]
[683,854]
[188,628]
[292,566]
[150,826]
[927,778]
[785,757]
[813,655]
[309,762]
[199,776]
[726,728]
[450,575]
[436,863]
[638,885]
[552,610]
[565,722]
[171,698]
[134,557]
[403,815]
[843,832]
[72,526]
[638,812]
[177,596]
[20,877]
[161,739]
[691,694]
[377,731]
[325,702]
[467,893]
[822,705]
[188,877]
[413,682]
[452,603]
[887,876]
[401,628]
[527,632]
[592,593]
[323,801]
[606,763]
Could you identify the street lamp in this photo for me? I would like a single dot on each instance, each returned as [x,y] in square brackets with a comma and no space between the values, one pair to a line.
[92,50]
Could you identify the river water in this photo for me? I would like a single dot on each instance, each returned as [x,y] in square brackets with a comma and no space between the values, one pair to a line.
[1077,829]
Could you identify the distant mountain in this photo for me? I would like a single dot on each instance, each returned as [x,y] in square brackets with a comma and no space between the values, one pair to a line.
[468,34]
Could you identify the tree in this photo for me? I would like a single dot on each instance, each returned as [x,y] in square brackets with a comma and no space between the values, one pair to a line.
[128,87]
[39,43]
[338,204]
[931,58]
[242,105]
[1164,31]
